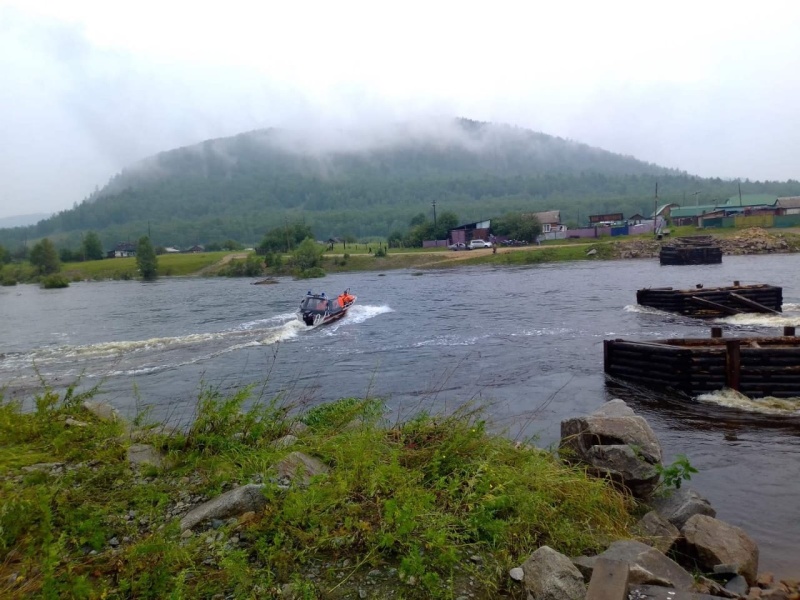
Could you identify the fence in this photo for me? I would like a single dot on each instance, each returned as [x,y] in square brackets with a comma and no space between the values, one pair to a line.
[753,221]
[787,221]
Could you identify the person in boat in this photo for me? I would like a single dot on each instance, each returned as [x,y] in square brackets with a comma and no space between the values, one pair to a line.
[323,303]
[345,298]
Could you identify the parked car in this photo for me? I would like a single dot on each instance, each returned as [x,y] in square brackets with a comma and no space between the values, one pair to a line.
[479,244]
[458,246]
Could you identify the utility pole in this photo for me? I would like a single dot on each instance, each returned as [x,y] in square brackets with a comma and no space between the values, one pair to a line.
[434,217]
[655,212]
[740,193]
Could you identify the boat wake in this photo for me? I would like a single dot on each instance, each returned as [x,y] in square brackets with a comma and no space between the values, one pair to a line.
[357,314]
[139,357]
[768,405]
[142,357]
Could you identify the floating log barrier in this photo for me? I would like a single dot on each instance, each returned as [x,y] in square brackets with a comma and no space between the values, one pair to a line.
[756,367]
[711,303]
[696,250]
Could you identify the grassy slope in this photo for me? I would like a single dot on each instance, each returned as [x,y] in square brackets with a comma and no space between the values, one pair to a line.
[434,507]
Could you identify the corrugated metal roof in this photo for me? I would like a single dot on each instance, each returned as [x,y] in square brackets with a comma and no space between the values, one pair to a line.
[691,211]
[789,202]
[664,207]
[752,200]
[548,216]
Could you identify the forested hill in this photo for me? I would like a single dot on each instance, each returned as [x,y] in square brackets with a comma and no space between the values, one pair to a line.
[365,183]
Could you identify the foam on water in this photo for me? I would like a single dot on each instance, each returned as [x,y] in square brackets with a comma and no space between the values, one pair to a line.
[541,332]
[269,321]
[644,310]
[767,405]
[152,355]
[361,312]
[450,340]
[761,320]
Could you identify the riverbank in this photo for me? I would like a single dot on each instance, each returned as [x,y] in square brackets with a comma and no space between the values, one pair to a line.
[336,502]
[741,242]
[330,503]
[358,259]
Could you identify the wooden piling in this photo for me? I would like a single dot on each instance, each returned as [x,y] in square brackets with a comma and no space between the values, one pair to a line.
[716,332]
[733,363]
[756,366]
[788,331]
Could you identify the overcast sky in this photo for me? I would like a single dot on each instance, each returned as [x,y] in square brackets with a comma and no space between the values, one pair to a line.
[88,87]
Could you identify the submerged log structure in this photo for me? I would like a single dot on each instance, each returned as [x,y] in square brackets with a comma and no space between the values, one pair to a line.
[756,367]
[714,302]
[696,250]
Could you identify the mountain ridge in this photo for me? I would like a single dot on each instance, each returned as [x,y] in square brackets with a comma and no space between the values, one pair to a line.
[366,182]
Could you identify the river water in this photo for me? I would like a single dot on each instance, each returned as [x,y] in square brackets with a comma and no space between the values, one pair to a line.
[525,341]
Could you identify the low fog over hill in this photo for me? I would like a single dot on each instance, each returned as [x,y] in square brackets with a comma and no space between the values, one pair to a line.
[366,182]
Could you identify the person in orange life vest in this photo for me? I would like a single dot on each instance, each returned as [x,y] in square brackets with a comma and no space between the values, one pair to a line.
[345,298]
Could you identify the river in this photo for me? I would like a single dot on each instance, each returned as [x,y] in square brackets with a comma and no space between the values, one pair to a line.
[524,341]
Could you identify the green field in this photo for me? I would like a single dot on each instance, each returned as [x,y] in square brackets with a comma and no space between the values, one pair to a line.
[125,268]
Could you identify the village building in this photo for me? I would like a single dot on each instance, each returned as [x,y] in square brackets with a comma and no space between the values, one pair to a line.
[122,250]
[464,234]
[789,205]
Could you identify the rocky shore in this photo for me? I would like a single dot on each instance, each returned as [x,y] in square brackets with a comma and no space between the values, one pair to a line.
[747,241]
[175,516]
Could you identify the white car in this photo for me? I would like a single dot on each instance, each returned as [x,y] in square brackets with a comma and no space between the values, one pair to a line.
[479,244]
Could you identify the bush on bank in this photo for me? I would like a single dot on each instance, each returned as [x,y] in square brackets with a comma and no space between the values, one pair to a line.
[428,503]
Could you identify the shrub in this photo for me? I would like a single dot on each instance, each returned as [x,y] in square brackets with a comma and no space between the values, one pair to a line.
[674,474]
[313,273]
[54,281]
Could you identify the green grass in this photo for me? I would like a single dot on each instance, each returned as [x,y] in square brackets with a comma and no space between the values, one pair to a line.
[356,258]
[415,500]
[125,268]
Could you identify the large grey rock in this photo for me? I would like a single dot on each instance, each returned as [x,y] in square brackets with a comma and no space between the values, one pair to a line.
[300,468]
[681,505]
[713,542]
[585,564]
[144,454]
[615,442]
[285,441]
[657,531]
[649,564]
[101,410]
[738,585]
[230,504]
[549,575]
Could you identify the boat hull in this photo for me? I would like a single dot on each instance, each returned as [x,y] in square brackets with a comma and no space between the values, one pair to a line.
[312,314]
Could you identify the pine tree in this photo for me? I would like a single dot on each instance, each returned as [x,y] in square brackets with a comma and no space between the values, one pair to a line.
[146,259]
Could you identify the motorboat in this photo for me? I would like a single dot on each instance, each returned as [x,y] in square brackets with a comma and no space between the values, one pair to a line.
[318,309]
